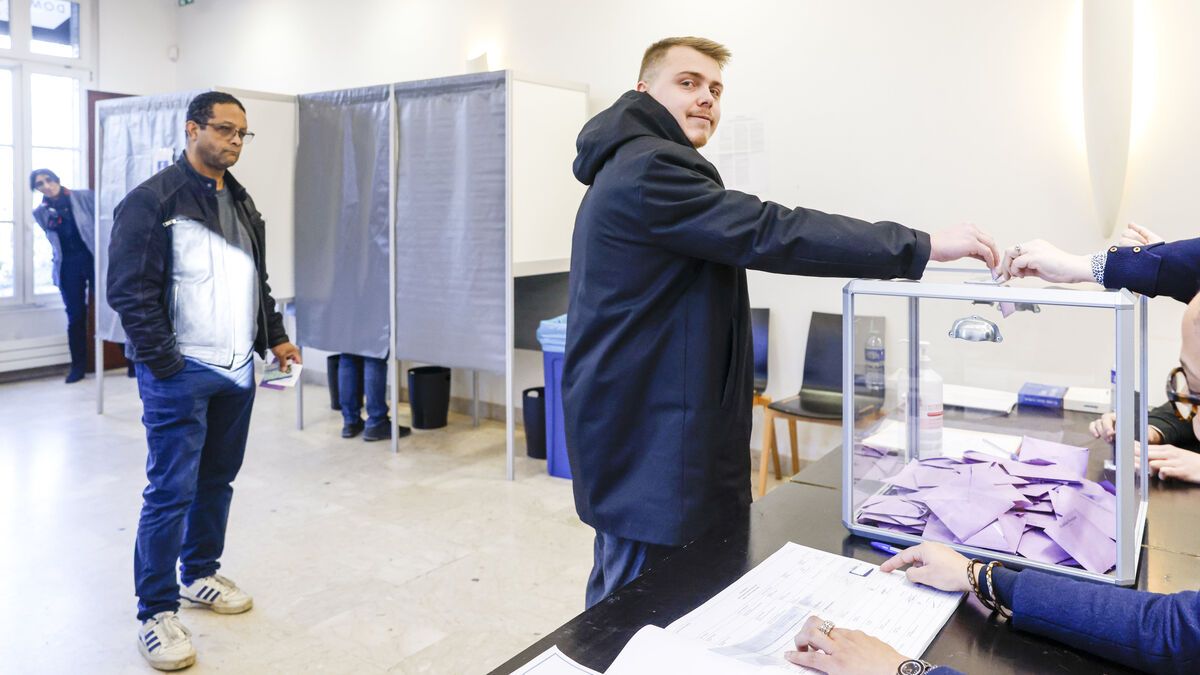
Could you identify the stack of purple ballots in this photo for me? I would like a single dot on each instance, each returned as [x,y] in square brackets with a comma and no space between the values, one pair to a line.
[1041,507]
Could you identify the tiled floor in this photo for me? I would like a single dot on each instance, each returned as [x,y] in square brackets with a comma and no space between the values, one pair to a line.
[359,561]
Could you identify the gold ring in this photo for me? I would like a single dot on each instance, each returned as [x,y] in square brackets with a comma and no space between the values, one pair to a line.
[825,627]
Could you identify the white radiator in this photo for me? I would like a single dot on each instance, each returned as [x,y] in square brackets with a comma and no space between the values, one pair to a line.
[33,353]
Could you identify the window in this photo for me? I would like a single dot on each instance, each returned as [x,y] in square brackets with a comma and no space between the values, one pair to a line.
[55,117]
[7,252]
[55,28]
[5,31]
[45,66]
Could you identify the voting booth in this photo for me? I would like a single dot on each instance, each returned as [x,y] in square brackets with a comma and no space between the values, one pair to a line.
[957,444]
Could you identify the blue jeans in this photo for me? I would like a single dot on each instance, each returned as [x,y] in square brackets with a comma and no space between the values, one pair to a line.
[617,561]
[356,373]
[197,421]
[74,278]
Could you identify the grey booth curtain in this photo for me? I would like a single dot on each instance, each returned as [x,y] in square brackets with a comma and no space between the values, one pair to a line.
[342,193]
[450,221]
[138,138]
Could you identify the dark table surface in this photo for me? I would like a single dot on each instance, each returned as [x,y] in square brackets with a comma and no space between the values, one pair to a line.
[808,511]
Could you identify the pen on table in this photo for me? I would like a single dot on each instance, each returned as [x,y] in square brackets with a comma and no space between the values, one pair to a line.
[886,548]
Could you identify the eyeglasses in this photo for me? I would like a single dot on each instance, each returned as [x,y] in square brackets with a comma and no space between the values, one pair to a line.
[227,131]
[1184,401]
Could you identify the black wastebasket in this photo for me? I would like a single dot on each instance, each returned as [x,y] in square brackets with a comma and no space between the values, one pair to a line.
[533,405]
[429,396]
[332,363]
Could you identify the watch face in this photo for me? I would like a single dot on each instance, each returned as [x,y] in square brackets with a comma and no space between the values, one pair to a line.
[911,667]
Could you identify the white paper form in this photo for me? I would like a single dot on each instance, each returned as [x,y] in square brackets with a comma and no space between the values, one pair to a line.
[654,650]
[892,436]
[553,662]
[977,398]
[755,619]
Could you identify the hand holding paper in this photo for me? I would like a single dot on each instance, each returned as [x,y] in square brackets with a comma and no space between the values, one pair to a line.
[286,354]
[1040,258]
[963,241]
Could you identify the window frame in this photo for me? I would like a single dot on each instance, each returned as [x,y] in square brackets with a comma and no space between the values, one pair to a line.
[23,63]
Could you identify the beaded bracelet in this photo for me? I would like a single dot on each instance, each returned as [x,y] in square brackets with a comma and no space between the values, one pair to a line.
[1004,613]
[973,579]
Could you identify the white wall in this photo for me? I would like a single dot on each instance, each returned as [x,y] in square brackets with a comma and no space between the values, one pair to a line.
[927,113]
[133,39]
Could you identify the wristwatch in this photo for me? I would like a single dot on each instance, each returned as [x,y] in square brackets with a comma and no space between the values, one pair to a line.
[914,667]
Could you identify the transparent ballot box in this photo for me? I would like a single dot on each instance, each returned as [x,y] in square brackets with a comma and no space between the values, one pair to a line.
[966,413]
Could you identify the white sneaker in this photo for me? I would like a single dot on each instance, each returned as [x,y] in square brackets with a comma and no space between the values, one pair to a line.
[165,643]
[218,594]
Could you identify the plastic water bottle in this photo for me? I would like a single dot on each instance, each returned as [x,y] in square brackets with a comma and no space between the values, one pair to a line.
[875,372]
[1112,389]
[931,421]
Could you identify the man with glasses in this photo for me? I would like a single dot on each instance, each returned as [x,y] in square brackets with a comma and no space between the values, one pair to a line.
[187,273]
[66,216]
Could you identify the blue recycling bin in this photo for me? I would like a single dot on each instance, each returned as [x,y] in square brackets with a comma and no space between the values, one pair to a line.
[552,334]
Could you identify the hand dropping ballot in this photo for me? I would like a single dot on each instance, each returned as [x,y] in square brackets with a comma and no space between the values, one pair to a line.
[274,378]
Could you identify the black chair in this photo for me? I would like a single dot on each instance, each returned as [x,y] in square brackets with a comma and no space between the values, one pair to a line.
[820,397]
[760,330]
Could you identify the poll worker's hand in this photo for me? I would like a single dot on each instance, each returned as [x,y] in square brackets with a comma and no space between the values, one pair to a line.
[1106,427]
[1136,235]
[1040,258]
[963,241]
[1171,463]
[287,354]
[843,651]
[933,564]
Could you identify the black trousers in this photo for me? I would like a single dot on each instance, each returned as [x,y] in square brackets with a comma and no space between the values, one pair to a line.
[75,277]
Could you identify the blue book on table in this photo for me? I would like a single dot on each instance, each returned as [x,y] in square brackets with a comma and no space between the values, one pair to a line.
[1041,395]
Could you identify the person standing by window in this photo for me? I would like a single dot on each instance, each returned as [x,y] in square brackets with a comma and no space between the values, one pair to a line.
[66,217]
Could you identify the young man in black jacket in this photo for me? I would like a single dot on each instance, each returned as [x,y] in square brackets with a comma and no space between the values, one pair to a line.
[658,373]
[187,273]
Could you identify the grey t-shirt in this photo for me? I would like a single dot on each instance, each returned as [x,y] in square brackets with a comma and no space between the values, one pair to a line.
[241,280]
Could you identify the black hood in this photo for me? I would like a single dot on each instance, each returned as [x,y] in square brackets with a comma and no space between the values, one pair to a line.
[634,114]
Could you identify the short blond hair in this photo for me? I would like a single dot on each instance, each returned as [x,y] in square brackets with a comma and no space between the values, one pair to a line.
[655,52]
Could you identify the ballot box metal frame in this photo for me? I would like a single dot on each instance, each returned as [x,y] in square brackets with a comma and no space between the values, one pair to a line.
[1130,314]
